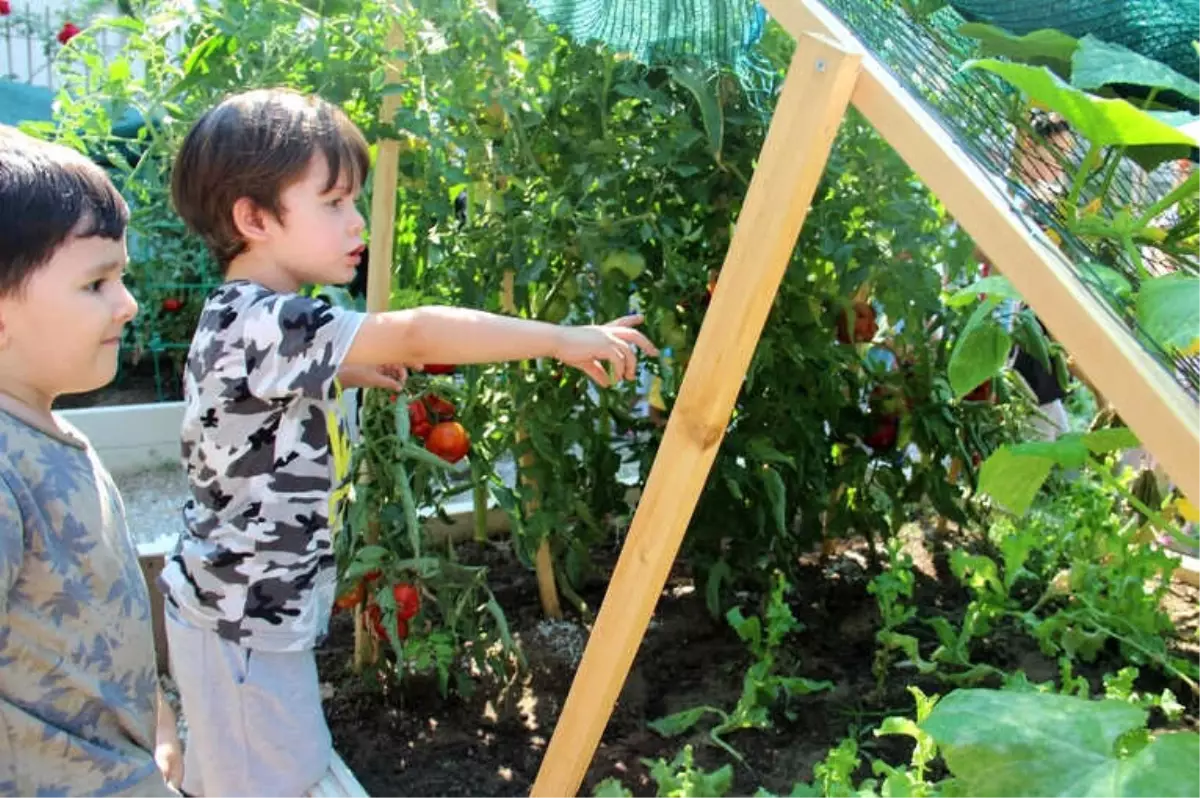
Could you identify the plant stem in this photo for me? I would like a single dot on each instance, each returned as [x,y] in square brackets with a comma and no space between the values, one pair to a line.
[1156,518]
[479,495]
[1115,156]
[410,509]
[1081,175]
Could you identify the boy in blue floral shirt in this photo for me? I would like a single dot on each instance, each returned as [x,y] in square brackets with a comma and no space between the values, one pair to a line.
[80,708]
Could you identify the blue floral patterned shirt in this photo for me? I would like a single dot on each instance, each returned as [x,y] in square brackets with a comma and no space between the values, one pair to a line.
[78,682]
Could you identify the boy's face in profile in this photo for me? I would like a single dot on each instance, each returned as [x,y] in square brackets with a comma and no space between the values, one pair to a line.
[320,238]
[61,332]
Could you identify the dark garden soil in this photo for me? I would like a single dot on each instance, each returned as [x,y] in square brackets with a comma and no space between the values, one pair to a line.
[412,741]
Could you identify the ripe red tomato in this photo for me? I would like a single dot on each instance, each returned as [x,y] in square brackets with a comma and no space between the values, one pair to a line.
[442,408]
[439,368]
[352,597]
[887,429]
[449,441]
[408,600]
[5,8]
[373,575]
[401,628]
[422,430]
[172,304]
[417,414]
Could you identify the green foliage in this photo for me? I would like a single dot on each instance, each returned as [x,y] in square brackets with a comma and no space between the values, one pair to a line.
[763,687]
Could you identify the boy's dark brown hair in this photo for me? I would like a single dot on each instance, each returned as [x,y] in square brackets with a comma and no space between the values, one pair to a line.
[49,194]
[255,145]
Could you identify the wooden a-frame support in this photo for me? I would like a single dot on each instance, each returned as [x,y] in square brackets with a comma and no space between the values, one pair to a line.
[827,73]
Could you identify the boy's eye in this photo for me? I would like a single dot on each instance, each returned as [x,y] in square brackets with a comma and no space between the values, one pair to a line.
[337,202]
[95,285]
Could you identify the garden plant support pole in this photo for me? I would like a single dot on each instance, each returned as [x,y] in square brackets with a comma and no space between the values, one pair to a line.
[544,561]
[814,99]
[1156,408]
[379,267]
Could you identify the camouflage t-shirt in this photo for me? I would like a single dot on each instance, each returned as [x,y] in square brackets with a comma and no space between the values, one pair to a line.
[78,682]
[264,447]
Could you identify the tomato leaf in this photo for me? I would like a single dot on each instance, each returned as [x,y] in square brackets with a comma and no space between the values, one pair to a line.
[1003,742]
[1168,309]
[719,573]
[1103,122]
[1012,479]
[994,285]
[1098,63]
[980,352]
[777,496]
[1027,333]
[705,92]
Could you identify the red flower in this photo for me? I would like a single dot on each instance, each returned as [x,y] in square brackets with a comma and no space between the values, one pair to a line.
[69,31]
[5,8]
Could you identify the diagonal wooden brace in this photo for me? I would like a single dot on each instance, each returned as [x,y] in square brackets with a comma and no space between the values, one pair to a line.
[815,96]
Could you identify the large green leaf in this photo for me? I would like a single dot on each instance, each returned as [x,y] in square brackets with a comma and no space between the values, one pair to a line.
[980,351]
[1067,451]
[1046,47]
[1168,308]
[1013,479]
[1016,743]
[1103,122]
[1098,63]
[1112,439]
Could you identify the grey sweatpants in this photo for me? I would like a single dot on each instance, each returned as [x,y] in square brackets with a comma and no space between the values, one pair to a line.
[254,718]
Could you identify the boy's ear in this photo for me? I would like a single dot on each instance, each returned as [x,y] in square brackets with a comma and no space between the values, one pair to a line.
[249,219]
[3,327]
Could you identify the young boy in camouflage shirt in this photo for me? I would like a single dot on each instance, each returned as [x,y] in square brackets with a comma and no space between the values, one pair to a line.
[269,180]
[78,679]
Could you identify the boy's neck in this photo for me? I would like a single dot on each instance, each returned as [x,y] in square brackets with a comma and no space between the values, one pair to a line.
[28,403]
[257,268]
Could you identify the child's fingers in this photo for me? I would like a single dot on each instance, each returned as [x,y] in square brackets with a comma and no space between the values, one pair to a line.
[635,337]
[594,370]
[632,320]
[626,361]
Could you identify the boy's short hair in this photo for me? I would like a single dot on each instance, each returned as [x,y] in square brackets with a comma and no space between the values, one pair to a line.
[255,145]
[49,193]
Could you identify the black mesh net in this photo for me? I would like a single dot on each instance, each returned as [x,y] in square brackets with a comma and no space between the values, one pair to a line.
[1031,154]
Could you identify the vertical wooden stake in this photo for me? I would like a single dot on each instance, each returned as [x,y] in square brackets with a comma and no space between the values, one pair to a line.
[815,95]
[379,273]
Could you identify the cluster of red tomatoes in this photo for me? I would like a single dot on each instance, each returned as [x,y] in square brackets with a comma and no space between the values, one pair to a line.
[432,420]
[406,596]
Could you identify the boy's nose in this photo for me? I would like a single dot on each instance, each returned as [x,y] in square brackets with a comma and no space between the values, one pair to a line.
[357,223]
[126,306]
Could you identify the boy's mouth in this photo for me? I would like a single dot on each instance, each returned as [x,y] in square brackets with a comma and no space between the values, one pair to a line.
[357,251]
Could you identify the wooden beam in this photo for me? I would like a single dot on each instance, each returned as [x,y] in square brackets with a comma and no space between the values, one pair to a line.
[1155,407]
[379,270]
[814,100]
[383,191]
